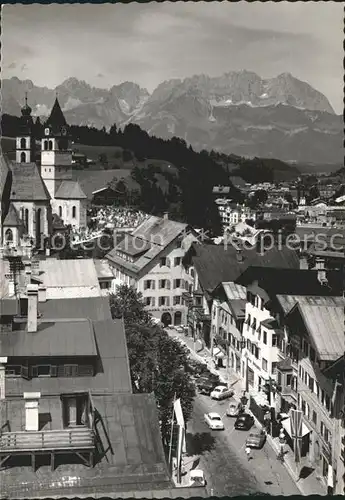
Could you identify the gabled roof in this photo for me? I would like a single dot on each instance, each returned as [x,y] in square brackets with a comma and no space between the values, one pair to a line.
[91,181]
[215,263]
[155,234]
[12,218]
[56,337]
[287,302]
[69,190]
[278,281]
[56,119]
[325,325]
[27,184]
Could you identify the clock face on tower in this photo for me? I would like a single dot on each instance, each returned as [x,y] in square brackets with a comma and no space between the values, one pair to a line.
[46,131]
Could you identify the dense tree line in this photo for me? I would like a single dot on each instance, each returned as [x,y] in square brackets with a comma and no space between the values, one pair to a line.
[158,363]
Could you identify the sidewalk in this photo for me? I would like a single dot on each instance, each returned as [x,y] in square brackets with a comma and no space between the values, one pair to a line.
[308,486]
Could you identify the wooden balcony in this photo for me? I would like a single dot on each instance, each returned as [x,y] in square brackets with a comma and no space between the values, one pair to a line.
[76,438]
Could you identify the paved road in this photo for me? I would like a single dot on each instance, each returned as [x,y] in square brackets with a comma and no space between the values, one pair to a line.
[223,459]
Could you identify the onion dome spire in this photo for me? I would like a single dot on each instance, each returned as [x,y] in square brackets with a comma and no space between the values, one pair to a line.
[26,110]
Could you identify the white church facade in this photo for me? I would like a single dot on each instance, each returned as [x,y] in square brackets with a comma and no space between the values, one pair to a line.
[41,189]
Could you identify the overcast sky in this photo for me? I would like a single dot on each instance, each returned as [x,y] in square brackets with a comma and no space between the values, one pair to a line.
[149,43]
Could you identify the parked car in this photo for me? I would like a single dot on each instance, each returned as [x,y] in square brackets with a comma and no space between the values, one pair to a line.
[256,439]
[214,421]
[244,422]
[221,392]
[234,409]
[197,478]
[179,329]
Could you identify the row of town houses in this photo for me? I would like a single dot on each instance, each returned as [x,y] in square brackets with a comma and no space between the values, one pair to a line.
[273,322]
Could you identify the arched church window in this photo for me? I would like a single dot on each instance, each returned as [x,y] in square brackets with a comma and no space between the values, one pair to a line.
[45,145]
[26,220]
[60,211]
[74,212]
[22,157]
[22,213]
[9,236]
[50,145]
[23,143]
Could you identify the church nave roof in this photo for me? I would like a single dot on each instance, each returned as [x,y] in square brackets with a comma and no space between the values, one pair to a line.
[27,184]
[70,190]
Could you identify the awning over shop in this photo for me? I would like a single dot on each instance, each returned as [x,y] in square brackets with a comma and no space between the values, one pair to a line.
[287,427]
[218,353]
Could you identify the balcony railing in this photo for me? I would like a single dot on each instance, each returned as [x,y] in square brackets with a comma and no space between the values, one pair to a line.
[78,438]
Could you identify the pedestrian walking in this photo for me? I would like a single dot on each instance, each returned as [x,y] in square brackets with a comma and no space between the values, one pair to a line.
[248,452]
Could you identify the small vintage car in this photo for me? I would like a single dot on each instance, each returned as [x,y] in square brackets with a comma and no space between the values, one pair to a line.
[244,422]
[234,410]
[214,421]
[256,439]
[221,392]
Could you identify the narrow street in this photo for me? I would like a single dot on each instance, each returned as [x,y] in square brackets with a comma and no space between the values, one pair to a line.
[223,458]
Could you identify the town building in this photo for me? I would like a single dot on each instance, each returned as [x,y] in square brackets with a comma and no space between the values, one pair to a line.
[70,423]
[210,265]
[150,259]
[311,379]
[263,327]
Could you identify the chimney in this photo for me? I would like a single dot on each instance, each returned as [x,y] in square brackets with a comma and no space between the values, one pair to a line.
[42,294]
[32,293]
[31,410]
[166,215]
[3,362]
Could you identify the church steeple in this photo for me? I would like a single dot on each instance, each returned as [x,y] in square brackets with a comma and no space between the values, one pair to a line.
[56,121]
[25,144]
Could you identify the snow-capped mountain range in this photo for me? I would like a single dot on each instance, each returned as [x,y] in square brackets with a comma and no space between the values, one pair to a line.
[238,112]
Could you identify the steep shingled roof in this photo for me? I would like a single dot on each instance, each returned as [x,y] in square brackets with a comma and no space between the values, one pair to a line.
[12,218]
[56,118]
[4,174]
[70,190]
[27,184]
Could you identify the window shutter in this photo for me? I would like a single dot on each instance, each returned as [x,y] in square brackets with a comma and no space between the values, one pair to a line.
[53,371]
[168,284]
[153,284]
[25,371]
[168,301]
[153,300]
[174,284]
[145,284]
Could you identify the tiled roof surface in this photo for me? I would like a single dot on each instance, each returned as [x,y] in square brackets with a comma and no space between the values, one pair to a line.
[325,325]
[288,301]
[93,308]
[69,273]
[8,307]
[137,463]
[12,218]
[54,338]
[158,233]
[4,173]
[69,190]
[93,180]
[215,264]
[27,183]
[291,281]
[114,376]
[234,291]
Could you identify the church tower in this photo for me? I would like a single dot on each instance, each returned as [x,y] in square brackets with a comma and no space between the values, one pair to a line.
[25,142]
[56,153]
